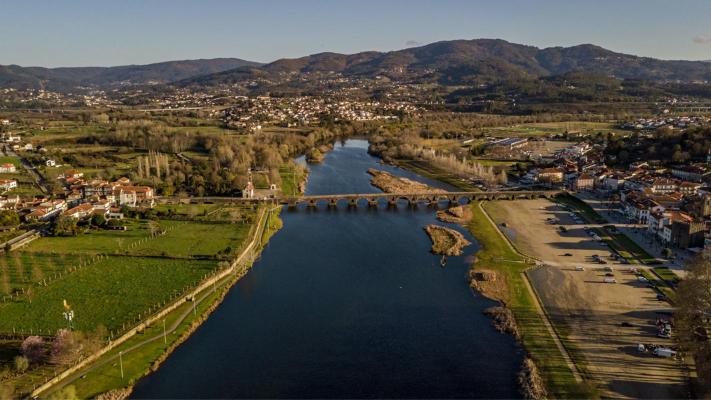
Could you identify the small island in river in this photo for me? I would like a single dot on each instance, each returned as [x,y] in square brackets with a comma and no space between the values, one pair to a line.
[390,183]
[446,241]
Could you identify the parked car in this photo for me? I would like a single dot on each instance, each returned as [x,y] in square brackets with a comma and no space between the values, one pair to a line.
[580,268]
[610,280]
[567,255]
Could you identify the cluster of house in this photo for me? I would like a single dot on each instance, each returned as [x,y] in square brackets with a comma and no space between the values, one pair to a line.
[680,122]
[250,113]
[83,199]
[673,202]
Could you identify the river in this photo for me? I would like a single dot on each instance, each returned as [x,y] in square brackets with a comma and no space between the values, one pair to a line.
[346,303]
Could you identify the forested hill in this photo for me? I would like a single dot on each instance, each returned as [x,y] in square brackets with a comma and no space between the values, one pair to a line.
[470,61]
[68,78]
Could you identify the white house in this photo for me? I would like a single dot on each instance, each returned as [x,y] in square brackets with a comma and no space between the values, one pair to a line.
[7,168]
[8,184]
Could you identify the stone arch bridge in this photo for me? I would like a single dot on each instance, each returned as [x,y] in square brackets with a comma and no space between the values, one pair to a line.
[371,199]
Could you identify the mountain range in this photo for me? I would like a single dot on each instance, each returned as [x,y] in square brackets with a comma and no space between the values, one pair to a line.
[455,62]
[68,78]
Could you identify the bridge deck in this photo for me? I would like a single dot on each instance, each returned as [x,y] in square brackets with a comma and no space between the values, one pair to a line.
[413,196]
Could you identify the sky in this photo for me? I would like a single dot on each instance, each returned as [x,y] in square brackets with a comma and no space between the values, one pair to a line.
[105,33]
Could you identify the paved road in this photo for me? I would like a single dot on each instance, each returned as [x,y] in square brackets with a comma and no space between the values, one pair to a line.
[41,182]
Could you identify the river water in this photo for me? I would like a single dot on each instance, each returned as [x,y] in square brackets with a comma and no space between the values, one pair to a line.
[346,303]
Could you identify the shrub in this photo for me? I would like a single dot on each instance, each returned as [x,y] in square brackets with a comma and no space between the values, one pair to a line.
[21,364]
[33,348]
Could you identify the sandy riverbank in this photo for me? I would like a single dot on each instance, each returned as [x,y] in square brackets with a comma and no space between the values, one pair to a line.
[446,241]
[390,183]
[589,313]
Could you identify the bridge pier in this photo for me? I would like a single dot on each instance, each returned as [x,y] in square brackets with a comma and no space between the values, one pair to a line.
[312,203]
[333,203]
[373,203]
[433,202]
[353,203]
[392,201]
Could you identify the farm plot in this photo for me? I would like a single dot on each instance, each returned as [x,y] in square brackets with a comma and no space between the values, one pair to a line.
[115,292]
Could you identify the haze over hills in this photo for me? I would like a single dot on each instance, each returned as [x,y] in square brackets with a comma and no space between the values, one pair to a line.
[471,61]
[455,62]
[67,78]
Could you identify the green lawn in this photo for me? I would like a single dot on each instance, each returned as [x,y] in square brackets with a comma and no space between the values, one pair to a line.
[290,180]
[110,292]
[667,274]
[541,347]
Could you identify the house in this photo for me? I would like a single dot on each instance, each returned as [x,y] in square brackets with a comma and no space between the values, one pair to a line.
[694,172]
[132,196]
[28,147]
[50,163]
[73,174]
[81,211]
[248,191]
[8,184]
[584,182]
[685,232]
[8,168]
[689,188]
[550,175]
[664,186]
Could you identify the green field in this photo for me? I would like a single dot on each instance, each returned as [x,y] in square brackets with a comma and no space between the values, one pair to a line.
[290,180]
[548,129]
[142,271]
[498,255]
[115,291]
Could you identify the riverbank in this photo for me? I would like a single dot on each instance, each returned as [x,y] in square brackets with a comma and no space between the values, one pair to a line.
[390,183]
[508,266]
[446,241]
[144,352]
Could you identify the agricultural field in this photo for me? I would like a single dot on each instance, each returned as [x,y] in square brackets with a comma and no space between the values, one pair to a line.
[548,129]
[115,292]
[112,277]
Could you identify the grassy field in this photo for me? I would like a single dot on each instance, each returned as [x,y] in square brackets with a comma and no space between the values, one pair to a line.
[290,180]
[112,292]
[142,271]
[496,254]
[547,129]
[667,274]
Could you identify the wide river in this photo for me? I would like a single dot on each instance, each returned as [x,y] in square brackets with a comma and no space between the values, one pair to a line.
[346,303]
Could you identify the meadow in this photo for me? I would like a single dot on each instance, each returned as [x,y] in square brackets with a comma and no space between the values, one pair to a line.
[113,277]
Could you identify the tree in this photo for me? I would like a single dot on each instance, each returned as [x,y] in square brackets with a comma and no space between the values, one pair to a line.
[98,220]
[66,226]
[9,218]
[693,318]
[34,349]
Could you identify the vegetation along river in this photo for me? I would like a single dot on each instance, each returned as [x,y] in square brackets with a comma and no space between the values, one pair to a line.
[346,303]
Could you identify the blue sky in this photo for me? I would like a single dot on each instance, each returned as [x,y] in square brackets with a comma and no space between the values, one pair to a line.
[96,32]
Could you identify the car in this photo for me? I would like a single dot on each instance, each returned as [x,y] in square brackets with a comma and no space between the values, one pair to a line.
[601,261]
[627,324]
[580,268]
[642,279]
[567,255]
[610,280]
[609,274]
[662,297]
